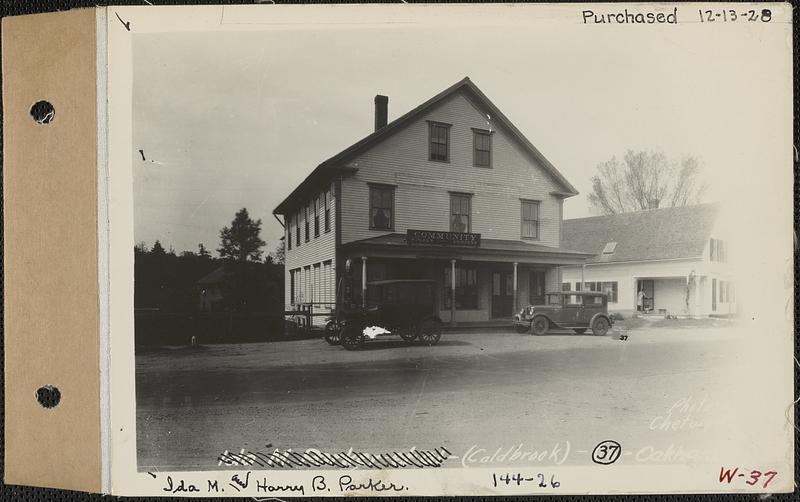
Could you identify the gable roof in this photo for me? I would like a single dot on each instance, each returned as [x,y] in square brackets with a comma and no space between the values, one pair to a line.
[214,277]
[655,234]
[336,163]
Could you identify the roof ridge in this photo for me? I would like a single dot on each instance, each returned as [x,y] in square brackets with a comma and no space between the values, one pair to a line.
[390,128]
[641,211]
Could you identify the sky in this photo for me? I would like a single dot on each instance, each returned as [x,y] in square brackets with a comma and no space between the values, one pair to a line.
[226,120]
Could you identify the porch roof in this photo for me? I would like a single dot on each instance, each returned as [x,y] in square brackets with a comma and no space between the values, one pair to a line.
[395,245]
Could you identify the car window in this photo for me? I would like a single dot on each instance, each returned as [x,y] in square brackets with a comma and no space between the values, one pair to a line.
[373,295]
[573,300]
[595,300]
[554,299]
[389,294]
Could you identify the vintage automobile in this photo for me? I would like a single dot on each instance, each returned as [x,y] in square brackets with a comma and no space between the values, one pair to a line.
[407,308]
[575,310]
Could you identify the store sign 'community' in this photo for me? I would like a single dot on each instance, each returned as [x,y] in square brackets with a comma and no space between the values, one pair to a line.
[443,238]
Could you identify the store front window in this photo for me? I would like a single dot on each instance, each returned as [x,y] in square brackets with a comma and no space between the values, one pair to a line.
[466,288]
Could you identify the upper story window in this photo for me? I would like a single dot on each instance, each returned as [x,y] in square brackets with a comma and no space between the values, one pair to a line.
[307,222]
[482,148]
[297,227]
[316,216]
[439,144]
[327,203]
[289,232]
[460,212]
[530,219]
[381,207]
[717,250]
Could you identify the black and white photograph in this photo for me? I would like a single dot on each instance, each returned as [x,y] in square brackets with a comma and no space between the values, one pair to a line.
[514,242]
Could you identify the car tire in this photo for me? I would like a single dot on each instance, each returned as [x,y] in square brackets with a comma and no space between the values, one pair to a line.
[579,331]
[540,325]
[408,334]
[430,332]
[600,326]
[351,338]
[333,333]
[521,328]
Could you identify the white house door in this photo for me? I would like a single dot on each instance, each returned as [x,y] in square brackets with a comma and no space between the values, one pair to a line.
[647,303]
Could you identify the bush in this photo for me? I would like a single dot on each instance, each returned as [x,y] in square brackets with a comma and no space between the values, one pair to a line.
[617,316]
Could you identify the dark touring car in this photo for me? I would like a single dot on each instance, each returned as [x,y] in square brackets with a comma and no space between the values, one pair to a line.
[407,308]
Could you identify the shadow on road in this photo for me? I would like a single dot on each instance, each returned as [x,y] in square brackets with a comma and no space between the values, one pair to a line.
[395,344]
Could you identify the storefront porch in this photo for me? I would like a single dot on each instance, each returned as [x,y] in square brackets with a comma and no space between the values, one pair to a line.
[484,283]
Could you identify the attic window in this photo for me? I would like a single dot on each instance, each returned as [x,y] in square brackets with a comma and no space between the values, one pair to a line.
[610,247]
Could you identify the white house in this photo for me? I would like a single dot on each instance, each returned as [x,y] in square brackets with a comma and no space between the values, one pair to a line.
[676,256]
[450,191]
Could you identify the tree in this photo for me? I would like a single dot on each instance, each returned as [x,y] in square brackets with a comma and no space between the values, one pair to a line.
[645,180]
[202,252]
[158,249]
[278,255]
[241,241]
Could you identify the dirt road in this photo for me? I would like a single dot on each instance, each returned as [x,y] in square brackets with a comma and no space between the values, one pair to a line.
[553,397]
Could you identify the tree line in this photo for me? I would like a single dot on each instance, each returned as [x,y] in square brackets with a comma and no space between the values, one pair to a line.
[241,278]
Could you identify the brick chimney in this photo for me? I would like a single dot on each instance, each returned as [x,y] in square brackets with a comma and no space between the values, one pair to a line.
[381,111]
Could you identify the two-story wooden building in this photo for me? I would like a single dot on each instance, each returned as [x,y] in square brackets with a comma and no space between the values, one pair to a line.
[450,191]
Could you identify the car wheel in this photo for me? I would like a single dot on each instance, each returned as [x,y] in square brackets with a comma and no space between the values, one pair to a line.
[430,332]
[409,334]
[579,331]
[333,333]
[600,326]
[540,325]
[521,328]
[351,338]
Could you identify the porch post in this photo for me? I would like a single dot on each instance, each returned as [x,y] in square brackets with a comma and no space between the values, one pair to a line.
[583,269]
[363,281]
[513,310]
[697,312]
[452,292]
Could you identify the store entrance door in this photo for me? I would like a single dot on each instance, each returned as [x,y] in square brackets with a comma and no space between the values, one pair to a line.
[502,294]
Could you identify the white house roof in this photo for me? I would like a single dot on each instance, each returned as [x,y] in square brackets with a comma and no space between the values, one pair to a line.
[655,234]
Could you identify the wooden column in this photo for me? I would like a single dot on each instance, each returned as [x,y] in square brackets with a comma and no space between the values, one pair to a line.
[583,270]
[452,292]
[363,281]
[516,295]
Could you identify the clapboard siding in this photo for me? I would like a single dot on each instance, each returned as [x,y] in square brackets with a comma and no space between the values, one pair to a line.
[320,284]
[422,198]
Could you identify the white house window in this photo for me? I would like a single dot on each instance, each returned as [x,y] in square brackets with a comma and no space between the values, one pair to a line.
[592,286]
[609,248]
[609,288]
[530,219]
[717,250]
[565,286]
[482,148]
[439,145]
[381,207]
